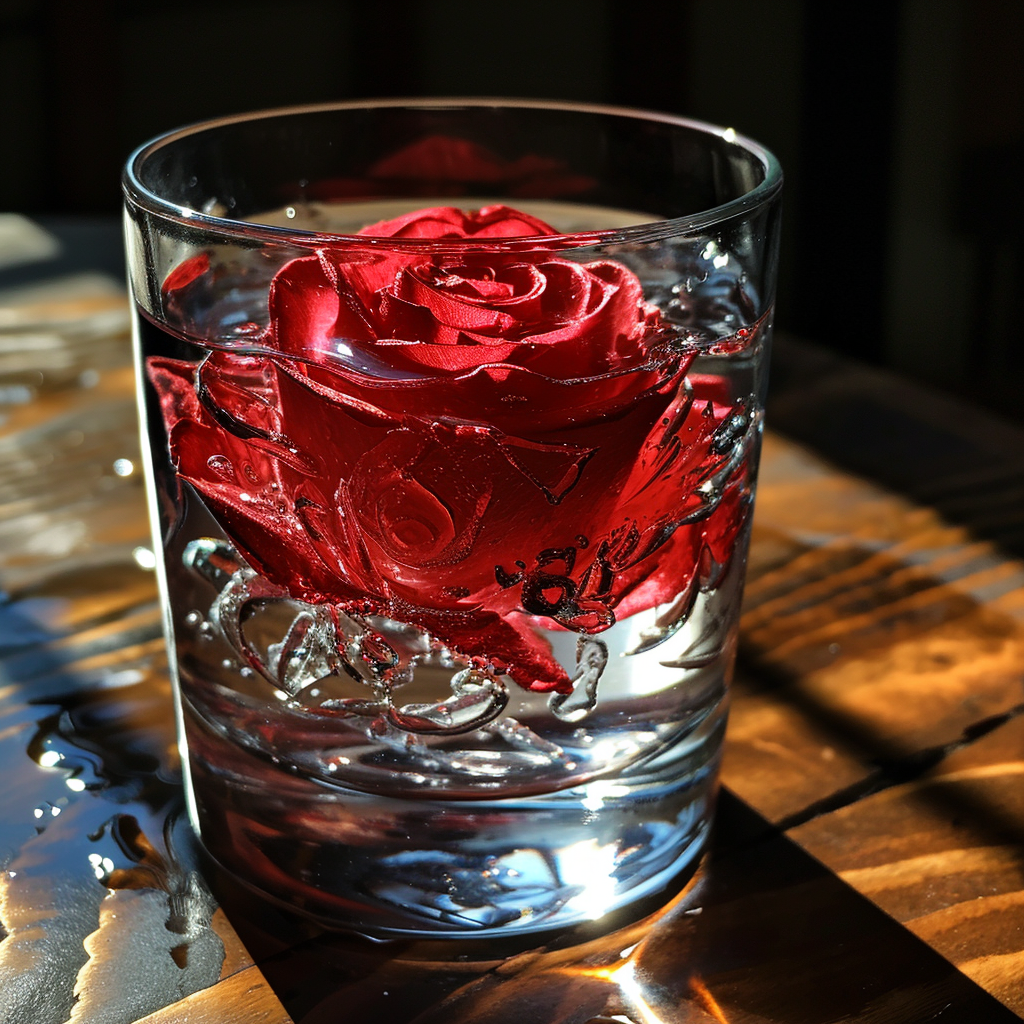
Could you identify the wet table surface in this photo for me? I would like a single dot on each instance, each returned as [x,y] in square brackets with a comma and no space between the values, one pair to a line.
[868,861]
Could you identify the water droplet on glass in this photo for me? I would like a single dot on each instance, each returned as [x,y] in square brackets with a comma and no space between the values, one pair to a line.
[222,466]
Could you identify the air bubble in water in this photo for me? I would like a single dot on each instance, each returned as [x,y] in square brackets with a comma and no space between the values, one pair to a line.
[44,814]
[222,466]
[679,311]
[522,737]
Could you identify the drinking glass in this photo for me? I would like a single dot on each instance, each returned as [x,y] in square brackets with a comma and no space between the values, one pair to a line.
[453,412]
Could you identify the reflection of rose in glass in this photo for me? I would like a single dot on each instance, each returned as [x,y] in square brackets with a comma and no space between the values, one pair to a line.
[444,165]
[474,442]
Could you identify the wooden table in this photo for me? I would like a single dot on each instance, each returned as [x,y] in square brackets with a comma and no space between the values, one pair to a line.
[878,717]
[876,727]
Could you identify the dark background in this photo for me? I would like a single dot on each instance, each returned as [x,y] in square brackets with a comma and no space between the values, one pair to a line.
[900,126]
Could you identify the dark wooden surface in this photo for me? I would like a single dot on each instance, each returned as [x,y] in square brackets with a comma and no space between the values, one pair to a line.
[878,711]
[869,859]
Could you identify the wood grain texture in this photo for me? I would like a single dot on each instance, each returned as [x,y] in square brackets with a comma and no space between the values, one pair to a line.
[872,634]
[244,998]
[944,854]
[877,711]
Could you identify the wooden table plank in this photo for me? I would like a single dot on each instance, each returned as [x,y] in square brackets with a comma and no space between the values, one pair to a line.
[244,998]
[874,637]
[944,854]
[878,710]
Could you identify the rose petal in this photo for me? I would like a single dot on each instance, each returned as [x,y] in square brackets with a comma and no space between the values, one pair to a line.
[448,222]
[437,305]
[249,491]
[304,306]
[512,398]
[456,356]
[504,222]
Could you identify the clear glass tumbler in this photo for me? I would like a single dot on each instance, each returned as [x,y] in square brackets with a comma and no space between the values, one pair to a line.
[453,414]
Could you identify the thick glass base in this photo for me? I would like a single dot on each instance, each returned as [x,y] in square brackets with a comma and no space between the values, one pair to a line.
[462,868]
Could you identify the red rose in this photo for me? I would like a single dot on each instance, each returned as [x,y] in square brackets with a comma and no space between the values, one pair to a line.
[474,442]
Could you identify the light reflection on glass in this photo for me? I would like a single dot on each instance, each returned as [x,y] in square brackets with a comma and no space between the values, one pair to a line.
[591,867]
[601,790]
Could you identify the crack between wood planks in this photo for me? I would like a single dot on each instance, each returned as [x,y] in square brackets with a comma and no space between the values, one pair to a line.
[890,772]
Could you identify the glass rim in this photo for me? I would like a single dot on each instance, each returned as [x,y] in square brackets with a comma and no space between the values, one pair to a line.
[139,195]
